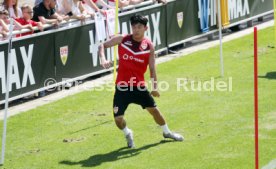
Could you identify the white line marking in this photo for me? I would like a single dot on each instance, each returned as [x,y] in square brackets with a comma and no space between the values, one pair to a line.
[136,53]
[270,165]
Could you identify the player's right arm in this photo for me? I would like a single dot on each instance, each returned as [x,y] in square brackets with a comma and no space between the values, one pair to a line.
[116,40]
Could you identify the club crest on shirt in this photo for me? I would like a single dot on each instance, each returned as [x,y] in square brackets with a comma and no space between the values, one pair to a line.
[144,45]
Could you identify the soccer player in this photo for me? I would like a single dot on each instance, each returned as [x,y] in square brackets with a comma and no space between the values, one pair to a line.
[136,53]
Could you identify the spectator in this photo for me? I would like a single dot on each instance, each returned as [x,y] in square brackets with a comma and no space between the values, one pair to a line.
[122,3]
[112,3]
[11,6]
[27,13]
[91,6]
[135,2]
[3,29]
[60,8]
[102,3]
[4,16]
[3,33]
[63,8]
[37,2]
[74,9]
[5,23]
[45,13]
[4,26]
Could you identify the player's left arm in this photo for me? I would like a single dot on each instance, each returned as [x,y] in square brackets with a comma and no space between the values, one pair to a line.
[153,75]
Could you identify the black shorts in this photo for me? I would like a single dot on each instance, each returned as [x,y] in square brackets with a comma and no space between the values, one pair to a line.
[126,95]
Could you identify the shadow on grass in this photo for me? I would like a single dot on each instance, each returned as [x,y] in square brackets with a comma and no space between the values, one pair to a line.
[87,128]
[115,155]
[269,75]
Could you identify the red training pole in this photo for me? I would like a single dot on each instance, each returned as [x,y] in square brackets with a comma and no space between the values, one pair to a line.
[256,97]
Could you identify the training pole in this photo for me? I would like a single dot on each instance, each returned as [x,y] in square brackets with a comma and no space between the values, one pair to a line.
[274,4]
[256,97]
[220,40]
[7,95]
[116,47]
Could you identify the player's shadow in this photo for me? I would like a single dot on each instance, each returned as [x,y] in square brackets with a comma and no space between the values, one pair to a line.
[87,128]
[115,155]
[269,75]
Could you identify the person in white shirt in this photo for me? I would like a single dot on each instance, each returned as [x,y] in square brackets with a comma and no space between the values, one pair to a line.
[122,3]
[104,4]
[12,7]
[75,9]
[91,6]
[60,8]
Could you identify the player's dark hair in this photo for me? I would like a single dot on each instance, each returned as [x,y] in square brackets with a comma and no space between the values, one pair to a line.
[135,19]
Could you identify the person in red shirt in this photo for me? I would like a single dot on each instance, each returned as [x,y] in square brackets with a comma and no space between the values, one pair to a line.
[136,53]
[27,13]
[4,16]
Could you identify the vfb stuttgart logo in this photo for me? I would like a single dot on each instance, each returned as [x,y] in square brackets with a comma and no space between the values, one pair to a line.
[180,18]
[63,54]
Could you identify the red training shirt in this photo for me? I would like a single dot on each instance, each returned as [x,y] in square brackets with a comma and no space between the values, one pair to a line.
[133,61]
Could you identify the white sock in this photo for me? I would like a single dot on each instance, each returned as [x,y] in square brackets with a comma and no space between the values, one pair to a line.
[165,129]
[126,131]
